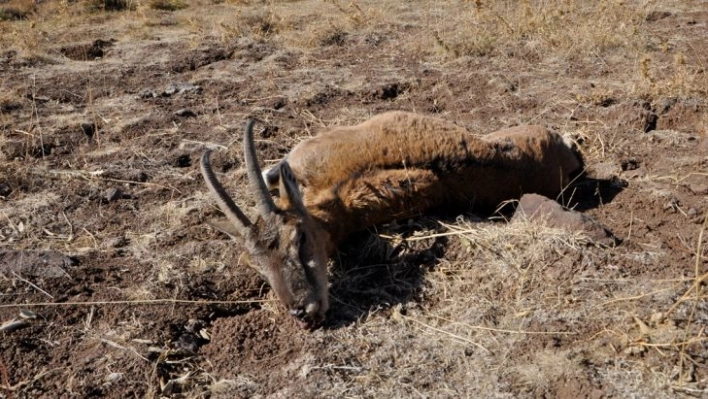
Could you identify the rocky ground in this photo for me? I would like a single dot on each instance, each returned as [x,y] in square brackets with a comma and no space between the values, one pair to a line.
[112,285]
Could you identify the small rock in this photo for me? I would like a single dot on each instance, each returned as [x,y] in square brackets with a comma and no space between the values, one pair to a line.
[657,318]
[186,112]
[113,377]
[27,314]
[699,188]
[148,93]
[179,88]
[538,207]
[113,194]
[691,212]
[603,171]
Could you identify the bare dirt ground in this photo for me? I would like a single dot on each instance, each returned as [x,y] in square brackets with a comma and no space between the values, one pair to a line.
[111,285]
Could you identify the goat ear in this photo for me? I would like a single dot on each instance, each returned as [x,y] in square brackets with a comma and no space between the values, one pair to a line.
[290,196]
[272,177]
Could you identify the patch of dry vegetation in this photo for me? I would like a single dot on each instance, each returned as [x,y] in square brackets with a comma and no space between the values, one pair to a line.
[563,28]
[16,10]
[681,78]
[168,5]
[535,32]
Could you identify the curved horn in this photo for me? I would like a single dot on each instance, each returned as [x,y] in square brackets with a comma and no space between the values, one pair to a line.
[264,202]
[226,204]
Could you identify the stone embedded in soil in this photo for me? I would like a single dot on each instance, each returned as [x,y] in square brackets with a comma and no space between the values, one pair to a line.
[699,188]
[603,171]
[113,194]
[539,208]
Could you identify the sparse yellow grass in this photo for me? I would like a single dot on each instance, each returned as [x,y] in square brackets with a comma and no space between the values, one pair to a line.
[558,27]
[682,79]
[536,31]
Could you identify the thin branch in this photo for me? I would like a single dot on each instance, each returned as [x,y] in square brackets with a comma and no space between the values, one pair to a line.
[137,302]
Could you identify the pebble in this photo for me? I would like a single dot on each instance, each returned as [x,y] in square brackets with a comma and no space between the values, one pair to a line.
[538,207]
[186,112]
[699,189]
[113,194]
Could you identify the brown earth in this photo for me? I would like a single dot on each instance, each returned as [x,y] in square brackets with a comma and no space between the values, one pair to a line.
[112,285]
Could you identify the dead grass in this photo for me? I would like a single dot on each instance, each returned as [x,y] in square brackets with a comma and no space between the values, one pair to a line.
[681,79]
[16,10]
[561,28]
[549,31]
[168,5]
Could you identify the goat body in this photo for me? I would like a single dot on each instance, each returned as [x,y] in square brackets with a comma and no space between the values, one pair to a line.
[395,165]
[398,165]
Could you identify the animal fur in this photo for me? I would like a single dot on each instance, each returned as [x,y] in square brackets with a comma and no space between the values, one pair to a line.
[398,165]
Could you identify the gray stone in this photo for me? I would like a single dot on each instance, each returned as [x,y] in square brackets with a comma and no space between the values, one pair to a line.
[539,208]
[113,194]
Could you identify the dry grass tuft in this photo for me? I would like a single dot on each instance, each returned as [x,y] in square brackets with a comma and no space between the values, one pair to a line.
[560,27]
[10,102]
[168,5]
[680,79]
[16,10]
[111,5]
